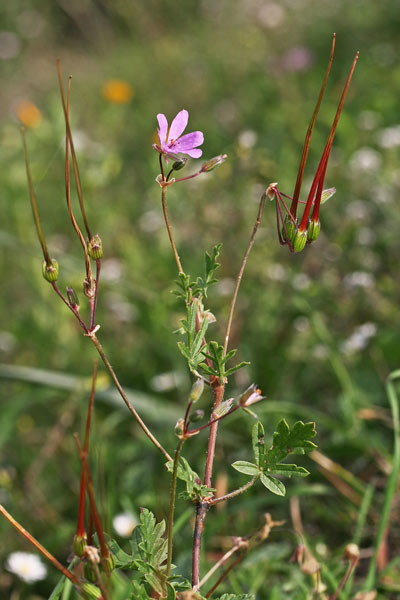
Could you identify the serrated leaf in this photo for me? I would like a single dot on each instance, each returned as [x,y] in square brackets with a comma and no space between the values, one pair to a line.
[258,441]
[288,470]
[184,350]
[122,559]
[237,597]
[242,364]
[273,485]
[246,467]
[207,369]
[291,441]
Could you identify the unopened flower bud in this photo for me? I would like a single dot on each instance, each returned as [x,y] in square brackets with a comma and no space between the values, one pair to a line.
[79,544]
[352,552]
[223,408]
[197,390]
[50,272]
[179,427]
[326,194]
[211,164]
[251,396]
[289,229]
[89,288]
[108,564]
[313,230]
[197,415]
[73,298]
[271,190]
[90,591]
[95,247]
[299,240]
[89,572]
[179,164]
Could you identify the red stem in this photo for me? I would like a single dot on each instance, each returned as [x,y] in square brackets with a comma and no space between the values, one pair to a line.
[320,174]
[303,160]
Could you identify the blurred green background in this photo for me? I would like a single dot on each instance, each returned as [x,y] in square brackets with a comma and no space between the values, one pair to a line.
[320,328]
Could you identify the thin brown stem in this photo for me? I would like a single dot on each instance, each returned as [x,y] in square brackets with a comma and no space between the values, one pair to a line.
[74,160]
[117,384]
[346,576]
[237,492]
[68,192]
[202,507]
[39,546]
[35,211]
[100,582]
[93,302]
[240,274]
[239,544]
[225,574]
[194,431]
[75,312]
[168,225]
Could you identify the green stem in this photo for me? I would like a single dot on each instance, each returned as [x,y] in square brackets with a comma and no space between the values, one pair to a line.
[168,225]
[392,481]
[240,274]
[172,504]
[124,397]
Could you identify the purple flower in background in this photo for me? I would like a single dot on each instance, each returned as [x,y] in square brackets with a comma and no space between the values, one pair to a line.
[172,141]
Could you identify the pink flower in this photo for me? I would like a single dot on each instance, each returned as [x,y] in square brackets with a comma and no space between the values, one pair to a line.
[172,141]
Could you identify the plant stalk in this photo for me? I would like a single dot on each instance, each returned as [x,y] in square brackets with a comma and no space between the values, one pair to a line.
[172,504]
[168,225]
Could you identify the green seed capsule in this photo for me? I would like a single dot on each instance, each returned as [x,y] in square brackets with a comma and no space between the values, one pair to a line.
[79,545]
[290,228]
[95,247]
[197,390]
[108,564]
[50,272]
[299,241]
[89,572]
[90,591]
[313,230]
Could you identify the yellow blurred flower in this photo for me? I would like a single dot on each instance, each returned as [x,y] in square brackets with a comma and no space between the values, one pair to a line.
[28,114]
[117,91]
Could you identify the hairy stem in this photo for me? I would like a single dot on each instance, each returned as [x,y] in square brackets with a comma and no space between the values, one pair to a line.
[39,546]
[240,274]
[237,492]
[172,504]
[168,225]
[117,384]
[202,507]
[225,574]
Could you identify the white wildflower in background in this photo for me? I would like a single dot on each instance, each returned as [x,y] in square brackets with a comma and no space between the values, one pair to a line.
[26,566]
[389,137]
[359,338]
[366,159]
[124,524]
[360,279]
[247,138]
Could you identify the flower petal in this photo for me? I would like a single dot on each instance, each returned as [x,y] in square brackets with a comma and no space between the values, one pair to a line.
[163,124]
[189,141]
[178,125]
[195,153]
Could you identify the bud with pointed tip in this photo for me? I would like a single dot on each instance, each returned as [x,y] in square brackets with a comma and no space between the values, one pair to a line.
[223,408]
[299,241]
[352,552]
[197,390]
[89,288]
[313,229]
[179,164]
[73,298]
[95,247]
[79,544]
[179,427]
[90,591]
[50,271]
[289,229]
[108,564]
[89,572]
[211,164]
[197,415]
